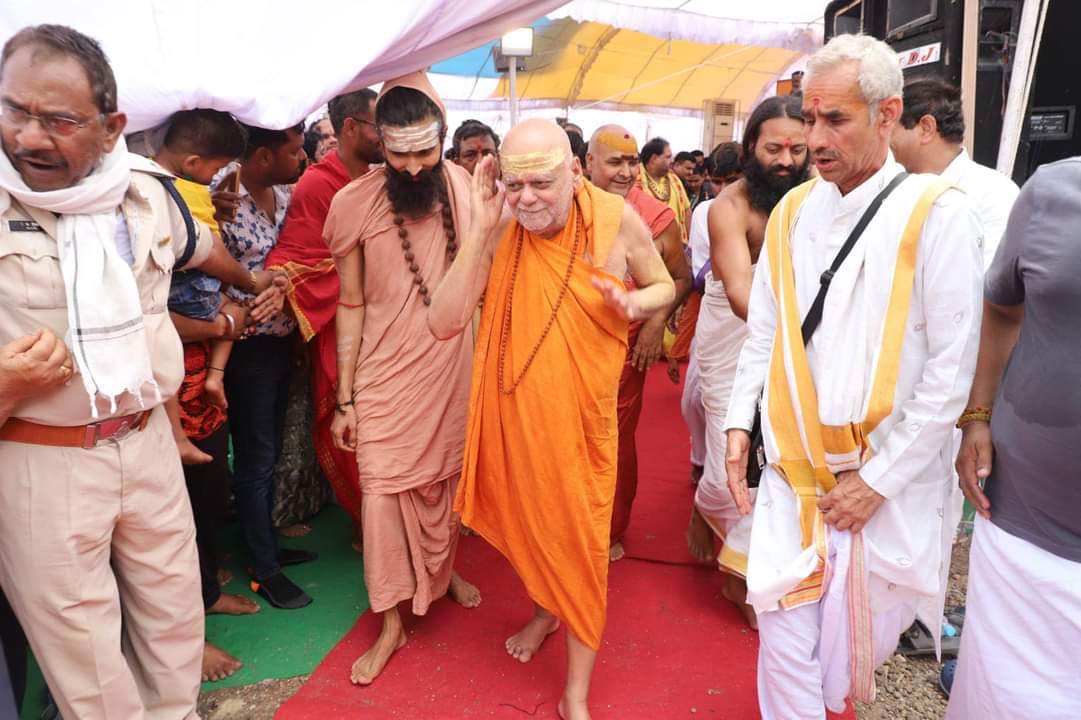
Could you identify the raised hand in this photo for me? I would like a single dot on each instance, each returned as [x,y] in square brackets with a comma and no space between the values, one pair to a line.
[616,297]
[486,196]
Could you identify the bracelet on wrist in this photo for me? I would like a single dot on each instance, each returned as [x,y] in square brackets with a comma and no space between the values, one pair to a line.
[974,414]
[232,324]
[211,367]
[340,407]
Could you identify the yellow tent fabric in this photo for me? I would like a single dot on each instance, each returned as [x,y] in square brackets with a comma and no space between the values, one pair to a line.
[591,64]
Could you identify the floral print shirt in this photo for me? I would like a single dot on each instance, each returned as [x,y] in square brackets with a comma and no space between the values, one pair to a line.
[249,239]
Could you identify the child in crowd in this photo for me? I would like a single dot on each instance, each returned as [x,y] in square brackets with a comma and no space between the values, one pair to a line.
[197,144]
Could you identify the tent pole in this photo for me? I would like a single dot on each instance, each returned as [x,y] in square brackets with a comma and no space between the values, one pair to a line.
[513,68]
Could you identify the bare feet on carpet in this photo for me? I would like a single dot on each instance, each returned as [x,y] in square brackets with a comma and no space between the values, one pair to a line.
[573,710]
[735,592]
[616,552]
[368,666]
[229,604]
[523,645]
[463,592]
[218,664]
[700,537]
[296,530]
[191,455]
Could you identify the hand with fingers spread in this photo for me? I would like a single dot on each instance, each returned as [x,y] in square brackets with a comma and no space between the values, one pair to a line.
[735,465]
[31,364]
[974,464]
[851,504]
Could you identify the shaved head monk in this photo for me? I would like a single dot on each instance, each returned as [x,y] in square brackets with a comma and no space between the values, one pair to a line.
[613,165]
[540,464]
[402,395]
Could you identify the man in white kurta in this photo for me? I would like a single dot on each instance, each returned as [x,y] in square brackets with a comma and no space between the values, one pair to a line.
[928,139]
[855,513]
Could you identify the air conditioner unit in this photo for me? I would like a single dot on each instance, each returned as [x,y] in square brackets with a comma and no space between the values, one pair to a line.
[720,125]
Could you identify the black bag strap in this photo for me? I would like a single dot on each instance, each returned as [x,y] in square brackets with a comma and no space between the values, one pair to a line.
[814,315]
[189,221]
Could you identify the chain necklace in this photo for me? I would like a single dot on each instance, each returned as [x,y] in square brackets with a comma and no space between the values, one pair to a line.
[410,258]
[655,188]
[505,338]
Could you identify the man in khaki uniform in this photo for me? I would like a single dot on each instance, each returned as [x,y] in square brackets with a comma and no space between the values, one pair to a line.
[95,523]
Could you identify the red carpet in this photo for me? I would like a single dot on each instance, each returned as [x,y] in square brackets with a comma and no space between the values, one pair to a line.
[673,647]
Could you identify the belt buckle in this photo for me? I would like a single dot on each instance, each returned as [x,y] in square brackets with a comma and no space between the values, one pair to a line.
[126,427]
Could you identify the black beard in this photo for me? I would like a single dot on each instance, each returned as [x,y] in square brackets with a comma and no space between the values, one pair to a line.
[414,195]
[765,187]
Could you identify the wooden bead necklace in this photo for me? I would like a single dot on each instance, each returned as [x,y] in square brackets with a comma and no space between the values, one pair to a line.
[407,247]
[505,337]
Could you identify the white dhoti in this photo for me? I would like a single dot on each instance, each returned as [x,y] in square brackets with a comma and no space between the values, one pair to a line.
[719,338]
[1019,649]
[803,655]
[694,414]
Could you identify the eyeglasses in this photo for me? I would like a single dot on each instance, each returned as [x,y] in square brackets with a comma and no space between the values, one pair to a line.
[363,121]
[55,125]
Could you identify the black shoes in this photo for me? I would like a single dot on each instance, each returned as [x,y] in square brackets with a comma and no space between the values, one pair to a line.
[281,592]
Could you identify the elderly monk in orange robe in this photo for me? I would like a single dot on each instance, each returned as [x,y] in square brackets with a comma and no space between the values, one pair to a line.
[613,165]
[403,395]
[540,462]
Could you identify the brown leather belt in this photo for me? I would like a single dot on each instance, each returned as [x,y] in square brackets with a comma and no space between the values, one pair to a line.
[79,436]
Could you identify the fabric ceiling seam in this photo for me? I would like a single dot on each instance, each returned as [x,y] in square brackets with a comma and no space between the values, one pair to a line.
[591,57]
[761,52]
[687,79]
[690,68]
[646,65]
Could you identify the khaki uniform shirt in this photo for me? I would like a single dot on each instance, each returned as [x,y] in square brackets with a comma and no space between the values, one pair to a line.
[32,294]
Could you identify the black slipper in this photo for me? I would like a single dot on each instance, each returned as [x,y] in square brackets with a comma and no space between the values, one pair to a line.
[291,556]
[281,592]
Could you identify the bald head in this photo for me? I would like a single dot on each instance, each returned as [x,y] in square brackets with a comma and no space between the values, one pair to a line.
[613,159]
[540,175]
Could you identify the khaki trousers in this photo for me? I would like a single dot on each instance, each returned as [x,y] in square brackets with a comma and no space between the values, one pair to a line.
[98,559]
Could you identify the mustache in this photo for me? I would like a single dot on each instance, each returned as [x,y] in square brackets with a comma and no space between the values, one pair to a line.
[825,155]
[39,156]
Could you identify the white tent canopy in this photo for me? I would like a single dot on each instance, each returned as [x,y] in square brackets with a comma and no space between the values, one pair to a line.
[262,61]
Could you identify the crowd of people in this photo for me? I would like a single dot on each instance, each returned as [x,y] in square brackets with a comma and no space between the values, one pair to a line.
[457,340]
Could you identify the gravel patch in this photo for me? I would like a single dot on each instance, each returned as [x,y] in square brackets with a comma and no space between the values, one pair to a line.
[250,702]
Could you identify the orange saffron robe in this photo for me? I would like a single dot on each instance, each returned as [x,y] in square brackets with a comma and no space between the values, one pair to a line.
[540,462]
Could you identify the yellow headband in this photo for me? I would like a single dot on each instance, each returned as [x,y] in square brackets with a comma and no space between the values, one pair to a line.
[539,161]
[622,142]
[411,138]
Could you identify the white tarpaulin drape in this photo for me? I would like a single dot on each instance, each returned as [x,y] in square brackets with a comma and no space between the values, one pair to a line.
[269,62]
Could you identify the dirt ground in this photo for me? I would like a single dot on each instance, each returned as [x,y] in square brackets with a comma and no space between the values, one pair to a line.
[907,689]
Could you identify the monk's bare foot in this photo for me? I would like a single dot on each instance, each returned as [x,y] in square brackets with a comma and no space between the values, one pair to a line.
[218,664]
[573,709]
[467,531]
[191,455]
[696,474]
[616,552]
[296,530]
[224,577]
[735,592]
[229,604]
[368,666]
[700,537]
[524,645]
[462,592]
